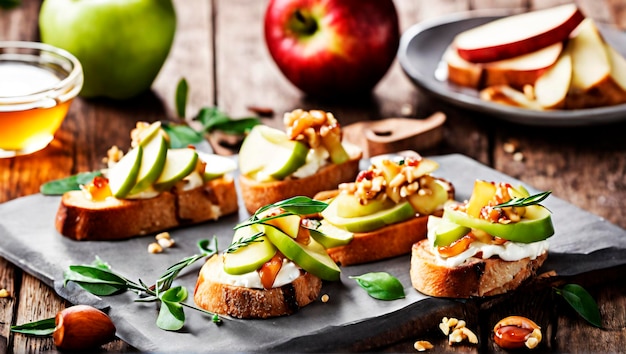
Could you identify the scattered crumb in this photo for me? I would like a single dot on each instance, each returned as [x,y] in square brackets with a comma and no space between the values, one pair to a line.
[422,345]
[155,248]
[518,156]
[325,298]
[406,109]
[4,293]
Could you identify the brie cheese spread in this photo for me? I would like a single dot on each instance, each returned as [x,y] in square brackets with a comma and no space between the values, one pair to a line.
[287,274]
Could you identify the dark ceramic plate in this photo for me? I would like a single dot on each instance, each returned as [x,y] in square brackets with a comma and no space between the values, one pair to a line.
[420,52]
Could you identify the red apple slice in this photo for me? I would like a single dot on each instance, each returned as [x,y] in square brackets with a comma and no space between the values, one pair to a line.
[518,34]
[552,87]
[515,72]
[524,69]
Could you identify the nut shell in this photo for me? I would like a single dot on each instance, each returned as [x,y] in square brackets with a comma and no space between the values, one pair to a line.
[82,327]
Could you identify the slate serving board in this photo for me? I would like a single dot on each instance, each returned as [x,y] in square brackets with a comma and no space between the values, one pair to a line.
[583,242]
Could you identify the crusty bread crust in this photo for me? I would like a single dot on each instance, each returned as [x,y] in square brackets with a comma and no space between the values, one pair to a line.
[244,302]
[258,194]
[476,277]
[389,241]
[114,219]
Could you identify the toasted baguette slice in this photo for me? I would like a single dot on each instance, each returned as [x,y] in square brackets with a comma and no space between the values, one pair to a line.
[242,302]
[112,219]
[257,194]
[475,277]
[387,242]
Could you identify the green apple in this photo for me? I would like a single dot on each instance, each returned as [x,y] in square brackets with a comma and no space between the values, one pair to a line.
[179,163]
[428,203]
[536,225]
[447,232]
[349,205]
[149,133]
[332,143]
[152,162]
[121,44]
[331,236]
[251,257]
[268,153]
[289,224]
[123,175]
[482,193]
[216,166]
[399,212]
[311,257]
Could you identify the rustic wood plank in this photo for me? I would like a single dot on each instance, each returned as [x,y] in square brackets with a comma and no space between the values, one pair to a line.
[8,277]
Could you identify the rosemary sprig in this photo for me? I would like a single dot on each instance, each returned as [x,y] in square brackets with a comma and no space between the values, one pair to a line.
[293,206]
[523,202]
[100,280]
[243,242]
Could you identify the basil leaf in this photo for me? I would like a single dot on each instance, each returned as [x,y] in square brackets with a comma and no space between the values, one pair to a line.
[181,135]
[182,90]
[209,117]
[582,302]
[37,328]
[71,183]
[381,285]
[95,280]
[238,126]
[171,315]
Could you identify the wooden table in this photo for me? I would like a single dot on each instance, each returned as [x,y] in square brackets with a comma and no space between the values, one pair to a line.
[219,48]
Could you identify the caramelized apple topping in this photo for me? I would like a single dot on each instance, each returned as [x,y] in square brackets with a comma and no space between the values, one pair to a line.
[394,180]
[98,188]
[269,270]
[504,215]
[313,127]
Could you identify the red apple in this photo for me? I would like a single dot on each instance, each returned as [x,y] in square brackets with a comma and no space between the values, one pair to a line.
[516,35]
[332,47]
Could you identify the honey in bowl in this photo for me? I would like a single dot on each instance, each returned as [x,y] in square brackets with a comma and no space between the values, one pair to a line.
[37,85]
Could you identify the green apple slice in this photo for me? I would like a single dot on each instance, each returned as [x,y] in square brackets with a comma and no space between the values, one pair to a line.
[311,257]
[268,153]
[427,204]
[152,162]
[289,224]
[123,175]
[447,232]
[251,257]
[535,226]
[399,212]
[216,166]
[332,143]
[179,163]
[349,205]
[149,133]
[331,236]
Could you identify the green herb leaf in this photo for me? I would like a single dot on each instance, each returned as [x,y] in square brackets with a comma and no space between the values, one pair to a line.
[582,302]
[96,280]
[208,247]
[293,206]
[528,201]
[71,183]
[37,328]
[243,242]
[381,285]
[181,135]
[182,90]
[238,126]
[9,4]
[171,315]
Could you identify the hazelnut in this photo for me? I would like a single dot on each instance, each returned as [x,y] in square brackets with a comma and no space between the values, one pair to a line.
[516,332]
[82,327]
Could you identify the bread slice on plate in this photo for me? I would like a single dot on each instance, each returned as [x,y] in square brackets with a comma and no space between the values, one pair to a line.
[82,219]
[242,302]
[475,277]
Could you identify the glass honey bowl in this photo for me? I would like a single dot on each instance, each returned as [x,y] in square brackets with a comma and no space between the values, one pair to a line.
[37,85]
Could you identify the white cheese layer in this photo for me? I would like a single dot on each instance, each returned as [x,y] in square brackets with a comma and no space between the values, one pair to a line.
[287,274]
[315,159]
[509,251]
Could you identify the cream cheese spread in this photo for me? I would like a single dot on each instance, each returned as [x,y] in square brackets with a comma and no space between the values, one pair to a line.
[509,251]
[287,274]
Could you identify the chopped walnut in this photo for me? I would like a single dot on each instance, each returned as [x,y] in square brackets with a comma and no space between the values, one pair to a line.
[422,345]
[114,154]
[135,134]
[459,331]
[313,127]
